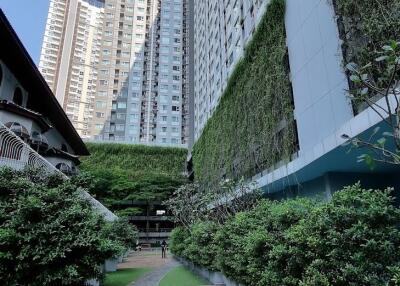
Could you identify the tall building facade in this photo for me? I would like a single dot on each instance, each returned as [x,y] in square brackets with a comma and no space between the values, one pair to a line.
[119,68]
[222,29]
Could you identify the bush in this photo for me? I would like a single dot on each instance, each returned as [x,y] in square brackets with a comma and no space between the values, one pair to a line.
[123,233]
[48,234]
[352,240]
[177,238]
[199,245]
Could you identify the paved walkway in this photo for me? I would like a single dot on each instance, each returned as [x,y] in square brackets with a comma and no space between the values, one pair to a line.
[149,259]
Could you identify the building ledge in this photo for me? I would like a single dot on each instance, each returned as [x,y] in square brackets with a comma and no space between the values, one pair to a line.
[25,112]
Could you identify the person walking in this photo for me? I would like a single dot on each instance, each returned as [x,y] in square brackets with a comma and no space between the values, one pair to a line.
[164,249]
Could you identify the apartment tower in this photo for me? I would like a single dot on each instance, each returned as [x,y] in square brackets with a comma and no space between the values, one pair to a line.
[119,68]
[222,30]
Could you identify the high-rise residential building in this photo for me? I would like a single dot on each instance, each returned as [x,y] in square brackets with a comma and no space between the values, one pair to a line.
[222,30]
[119,68]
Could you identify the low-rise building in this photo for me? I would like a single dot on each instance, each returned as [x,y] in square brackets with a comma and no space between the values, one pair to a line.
[34,129]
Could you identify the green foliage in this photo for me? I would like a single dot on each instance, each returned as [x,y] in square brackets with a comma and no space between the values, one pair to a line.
[352,240]
[133,172]
[135,158]
[366,26]
[122,232]
[199,245]
[382,147]
[252,126]
[49,235]
[177,238]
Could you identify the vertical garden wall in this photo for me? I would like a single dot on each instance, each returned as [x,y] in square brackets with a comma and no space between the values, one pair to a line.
[252,128]
[365,27]
[133,172]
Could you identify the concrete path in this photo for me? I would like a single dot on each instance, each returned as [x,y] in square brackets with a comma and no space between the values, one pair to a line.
[154,277]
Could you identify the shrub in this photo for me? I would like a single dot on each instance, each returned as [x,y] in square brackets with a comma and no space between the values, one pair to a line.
[251,239]
[121,232]
[176,240]
[352,240]
[199,246]
[48,234]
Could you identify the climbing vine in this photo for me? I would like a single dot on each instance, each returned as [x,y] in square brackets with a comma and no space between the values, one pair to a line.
[252,128]
[365,27]
[120,172]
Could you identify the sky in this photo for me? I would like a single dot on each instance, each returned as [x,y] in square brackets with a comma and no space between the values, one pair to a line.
[28,18]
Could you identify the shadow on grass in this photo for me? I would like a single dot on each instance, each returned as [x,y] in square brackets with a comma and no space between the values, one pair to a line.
[124,277]
[180,276]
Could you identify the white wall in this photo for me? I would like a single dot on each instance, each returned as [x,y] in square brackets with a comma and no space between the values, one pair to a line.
[319,81]
[8,85]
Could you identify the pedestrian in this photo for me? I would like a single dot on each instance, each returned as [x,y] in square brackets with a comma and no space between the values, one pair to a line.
[164,249]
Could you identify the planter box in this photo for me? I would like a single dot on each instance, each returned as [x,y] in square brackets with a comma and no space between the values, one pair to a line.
[110,265]
[217,278]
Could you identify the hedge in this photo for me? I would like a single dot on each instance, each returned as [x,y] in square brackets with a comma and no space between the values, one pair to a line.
[49,235]
[354,239]
[252,127]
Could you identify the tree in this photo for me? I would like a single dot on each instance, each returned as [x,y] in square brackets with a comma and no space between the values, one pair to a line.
[191,203]
[49,235]
[368,88]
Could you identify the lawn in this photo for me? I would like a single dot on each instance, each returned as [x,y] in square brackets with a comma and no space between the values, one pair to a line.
[124,277]
[180,276]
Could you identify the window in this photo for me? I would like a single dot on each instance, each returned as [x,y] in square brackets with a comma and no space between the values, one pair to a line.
[120,127]
[18,98]
[121,104]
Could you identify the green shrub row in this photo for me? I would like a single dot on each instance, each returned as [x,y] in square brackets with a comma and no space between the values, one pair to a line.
[49,235]
[121,172]
[252,127]
[352,240]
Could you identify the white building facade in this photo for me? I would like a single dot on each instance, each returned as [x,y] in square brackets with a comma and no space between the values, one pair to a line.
[221,31]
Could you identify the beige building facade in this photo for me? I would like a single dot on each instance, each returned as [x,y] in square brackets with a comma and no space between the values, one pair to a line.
[118,68]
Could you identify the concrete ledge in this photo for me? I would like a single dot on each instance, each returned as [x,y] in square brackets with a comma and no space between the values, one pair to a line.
[217,278]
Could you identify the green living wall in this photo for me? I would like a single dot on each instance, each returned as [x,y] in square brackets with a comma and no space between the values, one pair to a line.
[133,172]
[365,27]
[252,128]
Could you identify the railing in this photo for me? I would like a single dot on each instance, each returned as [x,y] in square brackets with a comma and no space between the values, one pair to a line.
[17,154]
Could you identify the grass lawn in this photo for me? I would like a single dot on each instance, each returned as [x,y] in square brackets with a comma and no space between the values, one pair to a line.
[124,277]
[180,276]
